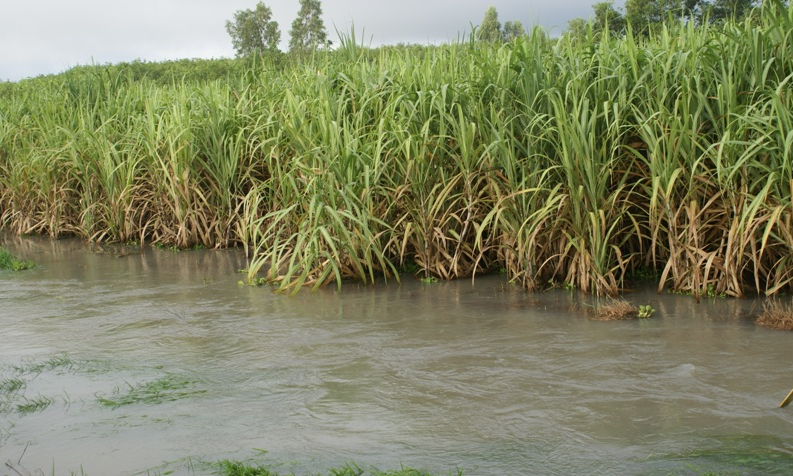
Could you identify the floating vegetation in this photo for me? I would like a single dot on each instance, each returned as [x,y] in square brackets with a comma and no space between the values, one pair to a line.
[9,261]
[165,389]
[645,311]
[776,315]
[613,310]
[618,310]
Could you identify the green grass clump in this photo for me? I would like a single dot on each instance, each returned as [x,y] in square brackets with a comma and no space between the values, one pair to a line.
[238,468]
[9,261]
[165,389]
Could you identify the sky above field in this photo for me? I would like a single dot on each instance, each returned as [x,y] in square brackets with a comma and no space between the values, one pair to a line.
[50,36]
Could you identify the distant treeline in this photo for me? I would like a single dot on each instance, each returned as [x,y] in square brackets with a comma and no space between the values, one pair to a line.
[645,17]
[164,73]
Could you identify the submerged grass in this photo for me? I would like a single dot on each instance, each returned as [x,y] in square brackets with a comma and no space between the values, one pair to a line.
[559,161]
[166,389]
[36,404]
[62,361]
[237,468]
[13,387]
[9,261]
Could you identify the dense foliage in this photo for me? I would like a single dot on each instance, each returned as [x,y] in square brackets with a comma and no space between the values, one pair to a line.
[254,31]
[559,161]
[308,30]
[645,16]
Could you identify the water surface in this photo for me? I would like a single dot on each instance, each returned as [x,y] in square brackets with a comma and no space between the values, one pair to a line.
[478,376]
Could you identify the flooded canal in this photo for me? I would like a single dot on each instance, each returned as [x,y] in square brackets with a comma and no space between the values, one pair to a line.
[156,361]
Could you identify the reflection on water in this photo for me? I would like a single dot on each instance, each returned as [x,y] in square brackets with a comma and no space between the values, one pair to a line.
[480,376]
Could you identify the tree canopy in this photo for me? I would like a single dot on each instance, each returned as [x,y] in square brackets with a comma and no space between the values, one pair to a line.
[308,30]
[254,31]
[490,29]
[607,17]
[513,29]
[641,15]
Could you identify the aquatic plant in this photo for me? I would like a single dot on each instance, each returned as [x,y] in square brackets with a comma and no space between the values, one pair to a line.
[646,311]
[9,261]
[613,310]
[238,468]
[10,385]
[776,315]
[35,404]
[165,389]
[38,366]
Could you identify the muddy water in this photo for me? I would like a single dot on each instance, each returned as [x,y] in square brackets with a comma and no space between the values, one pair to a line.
[478,376]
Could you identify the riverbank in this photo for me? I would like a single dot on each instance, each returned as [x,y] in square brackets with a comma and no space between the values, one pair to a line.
[566,162]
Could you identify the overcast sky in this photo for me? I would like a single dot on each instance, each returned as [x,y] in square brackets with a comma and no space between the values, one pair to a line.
[49,36]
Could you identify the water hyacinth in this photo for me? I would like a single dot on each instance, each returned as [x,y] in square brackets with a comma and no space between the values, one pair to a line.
[563,161]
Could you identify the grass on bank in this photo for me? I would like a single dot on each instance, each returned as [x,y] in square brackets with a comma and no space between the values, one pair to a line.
[566,161]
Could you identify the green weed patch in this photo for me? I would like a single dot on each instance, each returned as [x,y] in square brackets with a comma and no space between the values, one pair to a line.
[9,261]
[238,468]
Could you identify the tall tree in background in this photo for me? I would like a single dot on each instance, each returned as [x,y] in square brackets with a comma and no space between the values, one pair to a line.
[254,31]
[607,17]
[513,29]
[642,14]
[721,10]
[576,28]
[490,29]
[308,30]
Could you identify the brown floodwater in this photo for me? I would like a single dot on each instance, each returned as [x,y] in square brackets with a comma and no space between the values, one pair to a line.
[477,376]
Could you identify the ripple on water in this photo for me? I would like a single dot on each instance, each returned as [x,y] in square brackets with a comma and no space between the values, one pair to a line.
[478,376]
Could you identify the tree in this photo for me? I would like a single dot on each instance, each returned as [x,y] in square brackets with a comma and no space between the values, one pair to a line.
[576,28]
[254,31]
[490,29]
[513,29]
[721,10]
[693,9]
[642,14]
[308,30]
[606,16]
